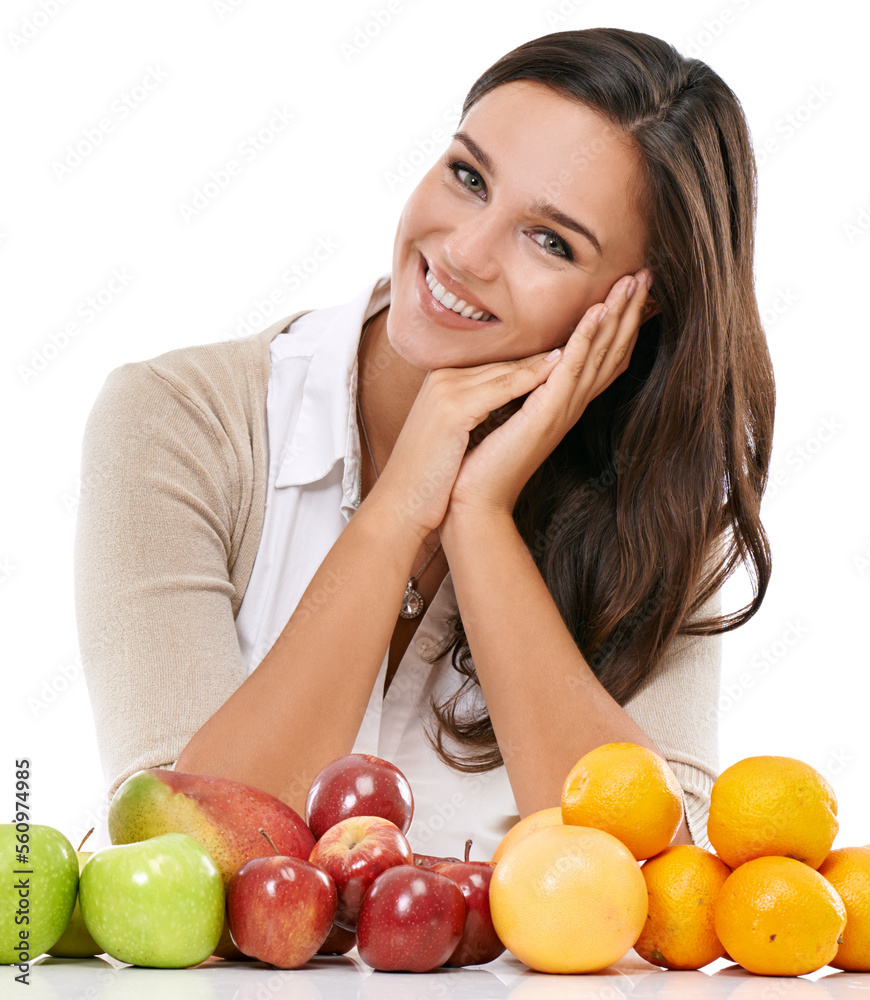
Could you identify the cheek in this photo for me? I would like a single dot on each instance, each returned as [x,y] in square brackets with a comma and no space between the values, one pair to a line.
[557,321]
[577,299]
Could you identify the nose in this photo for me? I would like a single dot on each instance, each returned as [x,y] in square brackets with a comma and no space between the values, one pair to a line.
[474,245]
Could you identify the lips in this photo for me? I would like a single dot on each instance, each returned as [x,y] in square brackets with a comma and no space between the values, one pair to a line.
[455,294]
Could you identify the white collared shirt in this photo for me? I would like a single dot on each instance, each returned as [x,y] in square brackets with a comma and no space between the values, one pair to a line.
[312,492]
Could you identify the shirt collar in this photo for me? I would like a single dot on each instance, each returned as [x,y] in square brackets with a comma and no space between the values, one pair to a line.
[326,428]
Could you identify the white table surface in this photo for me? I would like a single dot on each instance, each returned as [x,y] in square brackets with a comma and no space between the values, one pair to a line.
[346,977]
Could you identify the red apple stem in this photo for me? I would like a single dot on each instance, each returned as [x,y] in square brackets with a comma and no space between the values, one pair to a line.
[467,848]
[272,842]
[81,845]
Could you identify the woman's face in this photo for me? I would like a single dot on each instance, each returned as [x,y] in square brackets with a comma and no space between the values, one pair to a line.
[494,223]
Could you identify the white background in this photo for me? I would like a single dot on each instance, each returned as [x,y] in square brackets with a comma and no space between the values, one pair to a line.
[795,678]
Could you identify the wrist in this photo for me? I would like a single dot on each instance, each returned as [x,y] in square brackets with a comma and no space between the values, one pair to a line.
[394,515]
[475,520]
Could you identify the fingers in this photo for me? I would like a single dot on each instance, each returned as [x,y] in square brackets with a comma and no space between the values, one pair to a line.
[506,383]
[601,346]
[471,400]
[505,379]
[494,368]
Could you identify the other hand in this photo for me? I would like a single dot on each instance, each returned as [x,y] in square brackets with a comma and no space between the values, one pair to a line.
[493,473]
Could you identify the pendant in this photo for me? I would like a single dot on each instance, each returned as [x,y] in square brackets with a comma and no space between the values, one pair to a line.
[412,605]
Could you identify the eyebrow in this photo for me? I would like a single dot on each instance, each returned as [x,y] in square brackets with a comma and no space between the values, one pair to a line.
[543,208]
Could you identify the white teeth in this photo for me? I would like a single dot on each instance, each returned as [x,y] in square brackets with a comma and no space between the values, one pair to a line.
[457,305]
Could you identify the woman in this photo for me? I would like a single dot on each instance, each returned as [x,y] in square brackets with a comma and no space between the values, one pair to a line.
[476,480]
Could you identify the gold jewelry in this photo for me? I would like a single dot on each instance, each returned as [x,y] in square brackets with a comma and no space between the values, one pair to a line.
[413,603]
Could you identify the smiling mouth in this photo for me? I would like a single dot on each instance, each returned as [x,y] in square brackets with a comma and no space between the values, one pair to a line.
[457,305]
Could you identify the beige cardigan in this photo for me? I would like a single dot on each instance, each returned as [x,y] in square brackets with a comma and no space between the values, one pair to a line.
[174,472]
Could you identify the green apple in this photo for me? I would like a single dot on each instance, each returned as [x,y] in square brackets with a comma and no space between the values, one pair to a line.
[38,880]
[76,942]
[159,902]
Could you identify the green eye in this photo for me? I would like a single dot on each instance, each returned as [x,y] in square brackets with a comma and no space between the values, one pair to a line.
[555,244]
[467,177]
[470,180]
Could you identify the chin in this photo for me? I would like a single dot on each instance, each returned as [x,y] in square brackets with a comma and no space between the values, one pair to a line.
[428,349]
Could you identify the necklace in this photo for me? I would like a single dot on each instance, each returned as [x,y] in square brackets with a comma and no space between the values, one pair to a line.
[413,603]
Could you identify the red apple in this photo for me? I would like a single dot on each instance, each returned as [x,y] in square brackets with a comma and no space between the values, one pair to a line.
[479,943]
[280,909]
[358,784]
[338,941]
[429,860]
[353,853]
[411,920]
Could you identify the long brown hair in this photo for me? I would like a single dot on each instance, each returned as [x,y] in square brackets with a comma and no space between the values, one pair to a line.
[652,499]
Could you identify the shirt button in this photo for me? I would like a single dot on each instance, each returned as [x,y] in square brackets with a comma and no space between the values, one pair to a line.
[423,644]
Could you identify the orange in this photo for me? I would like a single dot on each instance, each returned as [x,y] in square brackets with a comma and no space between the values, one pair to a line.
[683,883]
[848,871]
[764,806]
[628,791]
[778,917]
[535,820]
[567,899]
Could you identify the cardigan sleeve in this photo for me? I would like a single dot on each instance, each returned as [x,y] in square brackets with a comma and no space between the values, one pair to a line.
[160,499]
[677,706]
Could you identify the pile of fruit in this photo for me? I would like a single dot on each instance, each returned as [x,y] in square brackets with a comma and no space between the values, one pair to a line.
[567,893]
[206,866]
